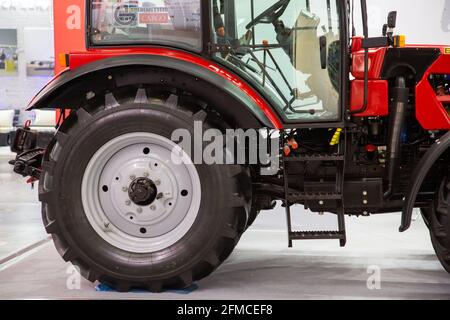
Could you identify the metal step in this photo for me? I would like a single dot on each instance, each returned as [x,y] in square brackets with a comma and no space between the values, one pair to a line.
[316,235]
[315,157]
[305,196]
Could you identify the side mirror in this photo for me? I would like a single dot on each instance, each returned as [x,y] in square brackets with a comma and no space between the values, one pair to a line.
[392,19]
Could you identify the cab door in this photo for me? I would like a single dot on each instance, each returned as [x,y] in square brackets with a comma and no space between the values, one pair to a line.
[294,59]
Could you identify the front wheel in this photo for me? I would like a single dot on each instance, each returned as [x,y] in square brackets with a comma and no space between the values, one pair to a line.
[129,214]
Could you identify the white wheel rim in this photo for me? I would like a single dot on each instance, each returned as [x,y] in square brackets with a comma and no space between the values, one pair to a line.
[154,225]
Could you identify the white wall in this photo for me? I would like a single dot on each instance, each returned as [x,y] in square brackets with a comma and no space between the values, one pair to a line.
[16,92]
[422,21]
[39,44]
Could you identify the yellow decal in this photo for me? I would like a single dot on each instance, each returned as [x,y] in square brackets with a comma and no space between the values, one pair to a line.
[446,50]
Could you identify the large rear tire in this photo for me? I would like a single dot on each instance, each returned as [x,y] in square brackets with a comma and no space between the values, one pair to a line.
[438,221]
[115,224]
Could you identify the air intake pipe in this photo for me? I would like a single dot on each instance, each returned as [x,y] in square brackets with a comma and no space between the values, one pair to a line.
[396,125]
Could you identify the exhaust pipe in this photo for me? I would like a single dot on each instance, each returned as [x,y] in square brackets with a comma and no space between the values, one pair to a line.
[397,122]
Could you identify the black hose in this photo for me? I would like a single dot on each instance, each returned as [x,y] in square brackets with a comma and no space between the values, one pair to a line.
[397,123]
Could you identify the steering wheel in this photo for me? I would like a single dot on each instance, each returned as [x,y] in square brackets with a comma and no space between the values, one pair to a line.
[270,15]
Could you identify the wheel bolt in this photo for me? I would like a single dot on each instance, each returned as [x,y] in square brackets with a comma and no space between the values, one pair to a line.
[153,208]
[124,189]
[133,177]
[128,203]
[158,182]
[146,174]
[139,210]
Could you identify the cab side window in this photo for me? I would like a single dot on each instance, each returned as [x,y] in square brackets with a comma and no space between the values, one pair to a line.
[174,23]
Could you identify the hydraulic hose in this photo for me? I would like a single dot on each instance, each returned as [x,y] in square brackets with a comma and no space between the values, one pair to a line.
[397,122]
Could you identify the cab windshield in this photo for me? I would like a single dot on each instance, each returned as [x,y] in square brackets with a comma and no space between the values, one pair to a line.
[290,48]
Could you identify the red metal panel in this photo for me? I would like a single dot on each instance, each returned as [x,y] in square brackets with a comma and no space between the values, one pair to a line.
[69,20]
[430,111]
[378,98]
[356,44]
[376,59]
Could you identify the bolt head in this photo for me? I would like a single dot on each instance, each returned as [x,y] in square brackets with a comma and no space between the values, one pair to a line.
[139,210]
[125,189]
[153,207]
[365,202]
[365,193]
[133,177]
[321,202]
[146,174]
[158,182]
[128,202]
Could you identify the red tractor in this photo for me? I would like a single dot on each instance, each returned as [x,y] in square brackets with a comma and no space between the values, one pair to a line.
[360,126]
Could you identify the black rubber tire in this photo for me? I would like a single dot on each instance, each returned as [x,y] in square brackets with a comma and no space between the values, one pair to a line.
[252,217]
[221,220]
[439,224]
[426,213]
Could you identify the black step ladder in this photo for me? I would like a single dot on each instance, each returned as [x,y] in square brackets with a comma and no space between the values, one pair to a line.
[295,197]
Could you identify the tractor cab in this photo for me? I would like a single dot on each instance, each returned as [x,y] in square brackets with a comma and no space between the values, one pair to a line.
[291,50]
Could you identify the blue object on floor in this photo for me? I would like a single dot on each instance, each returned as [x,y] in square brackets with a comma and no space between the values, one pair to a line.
[105,288]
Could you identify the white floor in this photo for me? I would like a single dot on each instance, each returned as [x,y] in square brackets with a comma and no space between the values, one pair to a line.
[262,267]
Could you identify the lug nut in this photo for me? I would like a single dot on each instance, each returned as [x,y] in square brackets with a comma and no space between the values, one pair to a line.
[153,208]
[139,210]
[124,189]
[158,182]
[133,177]
[128,203]
[146,174]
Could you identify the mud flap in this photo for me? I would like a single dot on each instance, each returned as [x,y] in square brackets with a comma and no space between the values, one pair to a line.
[420,173]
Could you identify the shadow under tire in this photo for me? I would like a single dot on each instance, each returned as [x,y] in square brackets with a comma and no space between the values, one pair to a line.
[218,225]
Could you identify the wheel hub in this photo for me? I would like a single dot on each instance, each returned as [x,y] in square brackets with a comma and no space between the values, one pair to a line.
[142,191]
[140,195]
